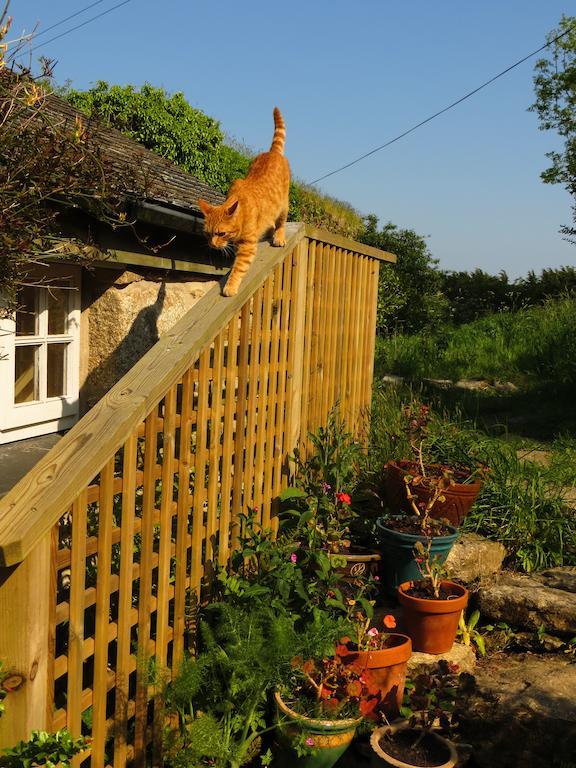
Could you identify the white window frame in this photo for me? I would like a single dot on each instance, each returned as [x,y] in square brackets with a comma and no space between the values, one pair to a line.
[47,414]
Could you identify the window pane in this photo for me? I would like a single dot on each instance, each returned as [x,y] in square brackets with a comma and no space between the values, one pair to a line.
[56,378]
[27,312]
[57,310]
[26,374]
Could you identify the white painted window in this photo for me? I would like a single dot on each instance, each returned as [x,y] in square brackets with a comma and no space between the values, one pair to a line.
[39,356]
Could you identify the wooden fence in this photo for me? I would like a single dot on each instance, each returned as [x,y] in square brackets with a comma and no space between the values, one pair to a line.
[106,544]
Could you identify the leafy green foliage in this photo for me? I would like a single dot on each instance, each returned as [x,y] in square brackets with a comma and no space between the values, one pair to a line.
[45,167]
[555,89]
[409,295]
[529,345]
[42,748]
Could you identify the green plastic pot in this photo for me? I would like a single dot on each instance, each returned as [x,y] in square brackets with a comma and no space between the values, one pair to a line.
[398,562]
[331,738]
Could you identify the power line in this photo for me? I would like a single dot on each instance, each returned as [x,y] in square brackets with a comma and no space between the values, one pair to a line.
[53,26]
[83,24]
[450,106]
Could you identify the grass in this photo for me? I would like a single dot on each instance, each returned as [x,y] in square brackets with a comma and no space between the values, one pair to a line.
[522,501]
[523,347]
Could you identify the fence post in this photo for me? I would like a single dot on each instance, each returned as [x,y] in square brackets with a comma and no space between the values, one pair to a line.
[26,596]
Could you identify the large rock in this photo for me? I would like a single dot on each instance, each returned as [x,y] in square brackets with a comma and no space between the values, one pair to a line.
[460,654]
[474,557]
[530,602]
[125,319]
[523,714]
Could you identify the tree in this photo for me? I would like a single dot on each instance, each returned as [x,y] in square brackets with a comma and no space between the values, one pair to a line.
[409,294]
[555,105]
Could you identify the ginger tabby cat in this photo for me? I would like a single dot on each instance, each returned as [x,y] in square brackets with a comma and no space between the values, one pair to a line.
[254,206]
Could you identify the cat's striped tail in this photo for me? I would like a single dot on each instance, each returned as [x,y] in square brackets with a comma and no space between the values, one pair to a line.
[279,133]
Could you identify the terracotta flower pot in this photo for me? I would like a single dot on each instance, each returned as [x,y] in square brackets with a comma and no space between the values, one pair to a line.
[380,758]
[330,738]
[432,624]
[458,498]
[388,670]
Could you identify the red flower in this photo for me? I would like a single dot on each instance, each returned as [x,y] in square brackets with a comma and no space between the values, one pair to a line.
[344,498]
[389,621]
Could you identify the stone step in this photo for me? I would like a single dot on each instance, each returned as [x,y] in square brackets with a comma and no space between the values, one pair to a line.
[529,602]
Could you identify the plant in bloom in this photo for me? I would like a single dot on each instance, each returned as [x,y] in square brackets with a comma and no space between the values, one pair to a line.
[367,637]
[335,687]
[344,498]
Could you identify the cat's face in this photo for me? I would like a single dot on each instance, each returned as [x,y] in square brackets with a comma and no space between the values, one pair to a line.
[220,223]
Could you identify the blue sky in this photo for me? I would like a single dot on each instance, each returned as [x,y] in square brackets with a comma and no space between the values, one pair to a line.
[348,77]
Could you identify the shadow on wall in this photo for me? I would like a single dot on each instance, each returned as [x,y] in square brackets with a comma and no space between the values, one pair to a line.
[136,341]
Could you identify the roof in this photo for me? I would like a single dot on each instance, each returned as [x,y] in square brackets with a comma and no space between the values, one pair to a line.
[168,184]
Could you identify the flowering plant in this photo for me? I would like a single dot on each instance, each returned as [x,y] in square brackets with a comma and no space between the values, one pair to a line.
[333,688]
[367,638]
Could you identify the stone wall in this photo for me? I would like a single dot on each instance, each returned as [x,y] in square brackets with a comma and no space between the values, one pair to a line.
[124,315]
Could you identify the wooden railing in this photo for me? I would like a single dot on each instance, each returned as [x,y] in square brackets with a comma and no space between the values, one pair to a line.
[107,544]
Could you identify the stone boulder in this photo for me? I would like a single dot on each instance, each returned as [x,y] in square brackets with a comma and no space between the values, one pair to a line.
[523,713]
[475,557]
[531,601]
[460,654]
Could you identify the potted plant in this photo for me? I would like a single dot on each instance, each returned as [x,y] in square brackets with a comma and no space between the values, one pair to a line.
[459,494]
[399,535]
[430,710]
[432,605]
[383,654]
[322,504]
[319,709]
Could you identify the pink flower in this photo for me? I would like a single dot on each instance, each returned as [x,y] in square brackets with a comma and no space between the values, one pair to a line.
[373,632]
[310,741]
[293,557]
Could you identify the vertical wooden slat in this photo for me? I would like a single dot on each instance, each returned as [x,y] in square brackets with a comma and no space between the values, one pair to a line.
[184,457]
[145,591]
[296,351]
[164,558]
[317,340]
[328,325]
[240,437]
[200,458]
[215,452]
[348,357]
[355,340]
[263,381]
[310,290]
[253,398]
[53,593]
[281,469]
[272,432]
[76,626]
[125,600]
[100,688]
[228,440]
[364,294]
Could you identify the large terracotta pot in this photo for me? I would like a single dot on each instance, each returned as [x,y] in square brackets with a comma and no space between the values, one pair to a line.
[380,758]
[432,624]
[388,671]
[458,498]
[331,738]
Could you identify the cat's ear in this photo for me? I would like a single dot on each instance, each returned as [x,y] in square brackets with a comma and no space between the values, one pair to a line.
[232,208]
[204,206]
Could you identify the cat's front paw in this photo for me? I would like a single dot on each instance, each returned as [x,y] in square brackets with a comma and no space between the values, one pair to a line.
[278,242]
[230,290]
